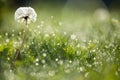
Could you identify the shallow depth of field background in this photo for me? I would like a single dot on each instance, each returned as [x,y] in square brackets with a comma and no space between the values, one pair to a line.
[71,40]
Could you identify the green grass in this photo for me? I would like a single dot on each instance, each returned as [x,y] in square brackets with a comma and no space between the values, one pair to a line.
[62,48]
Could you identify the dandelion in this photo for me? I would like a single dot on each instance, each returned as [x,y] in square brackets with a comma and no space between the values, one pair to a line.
[24,15]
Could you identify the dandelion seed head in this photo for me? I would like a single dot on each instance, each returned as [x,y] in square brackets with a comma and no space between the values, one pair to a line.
[25,14]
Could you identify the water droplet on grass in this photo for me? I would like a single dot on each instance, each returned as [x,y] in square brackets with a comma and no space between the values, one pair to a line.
[0,36]
[51,73]
[56,59]
[43,61]
[19,33]
[44,54]
[60,23]
[6,34]
[73,36]
[13,35]
[7,40]
[65,33]
[36,64]
[13,30]
[51,17]
[86,74]
[36,59]
[32,43]
[70,61]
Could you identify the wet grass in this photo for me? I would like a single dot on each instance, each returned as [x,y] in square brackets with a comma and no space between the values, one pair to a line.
[62,48]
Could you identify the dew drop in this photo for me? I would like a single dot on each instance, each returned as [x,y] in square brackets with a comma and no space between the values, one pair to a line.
[51,73]
[65,33]
[36,64]
[52,17]
[43,61]
[60,23]
[6,34]
[13,35]
[73,36]
[86,74]
[56,59]
[7,40]
[37,60]
[44,54]
[13,30]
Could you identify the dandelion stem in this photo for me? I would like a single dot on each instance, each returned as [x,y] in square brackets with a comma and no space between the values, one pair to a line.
[17,53]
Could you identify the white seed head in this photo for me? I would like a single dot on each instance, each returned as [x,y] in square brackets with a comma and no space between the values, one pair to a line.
[25,14]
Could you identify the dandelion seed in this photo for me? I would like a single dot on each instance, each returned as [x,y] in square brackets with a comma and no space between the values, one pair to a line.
[25,14]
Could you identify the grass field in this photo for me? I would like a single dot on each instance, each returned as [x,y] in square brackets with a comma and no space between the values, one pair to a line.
[65,45]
